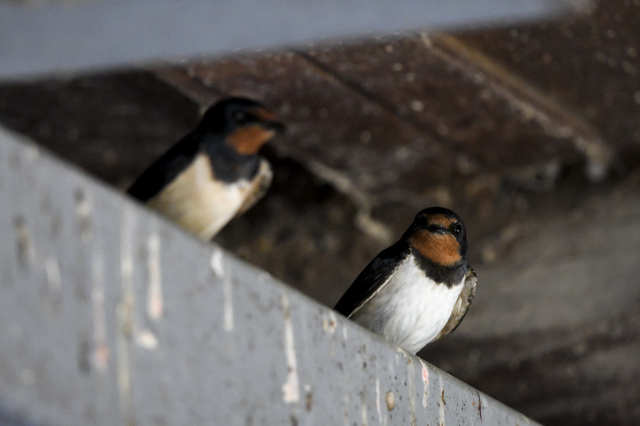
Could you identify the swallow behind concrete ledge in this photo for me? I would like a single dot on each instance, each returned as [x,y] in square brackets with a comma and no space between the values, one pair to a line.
[419,289]
[215,172]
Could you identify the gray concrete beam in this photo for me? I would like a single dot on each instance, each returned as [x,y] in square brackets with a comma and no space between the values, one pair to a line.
[110,315]
[63,36]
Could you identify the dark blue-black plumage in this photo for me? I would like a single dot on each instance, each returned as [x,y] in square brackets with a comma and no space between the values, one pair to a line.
[210,137]
[385,264]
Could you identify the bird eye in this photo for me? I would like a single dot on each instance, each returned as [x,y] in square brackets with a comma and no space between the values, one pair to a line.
[457,229]
[239,115]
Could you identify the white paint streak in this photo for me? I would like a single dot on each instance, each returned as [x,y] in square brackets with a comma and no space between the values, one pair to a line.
[345,335]
[411,373]
[83,207]
[216,264]
[54,278]
[125,313]
[227,290]
[26,250]
[290,388]
[147,340]
[330,325]
[154,292]
[83,210]
[425,383]
[100,348]
[364,413]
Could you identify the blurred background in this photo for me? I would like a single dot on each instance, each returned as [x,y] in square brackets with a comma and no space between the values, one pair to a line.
[531,132]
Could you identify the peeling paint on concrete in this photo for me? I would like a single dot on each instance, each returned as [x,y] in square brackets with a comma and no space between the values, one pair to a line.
[100,347]
[346,409]
[411,385]
[363,413]
[26,253]
[290,389]
[83,210]
[216,264]
[390,400]
[425,383]
[154,290]
[479,406]
[146,339]
[125,314]
[329,322]
[227,289]
[52,268]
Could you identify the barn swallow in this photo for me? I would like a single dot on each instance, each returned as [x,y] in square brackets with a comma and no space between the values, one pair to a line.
[215,172]
[419,289]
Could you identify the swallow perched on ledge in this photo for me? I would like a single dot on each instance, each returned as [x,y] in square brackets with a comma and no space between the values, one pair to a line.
[215,172]
[419,289]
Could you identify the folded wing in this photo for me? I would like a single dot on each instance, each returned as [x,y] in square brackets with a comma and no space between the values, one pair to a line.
[373,278]
[462,304]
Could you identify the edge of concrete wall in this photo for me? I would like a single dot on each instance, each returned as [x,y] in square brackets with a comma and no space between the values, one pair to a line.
[110,315]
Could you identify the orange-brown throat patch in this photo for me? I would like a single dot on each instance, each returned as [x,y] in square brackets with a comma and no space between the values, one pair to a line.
[249,139]
[443,250]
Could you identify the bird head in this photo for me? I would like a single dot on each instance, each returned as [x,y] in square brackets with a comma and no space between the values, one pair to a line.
[439,235]
[245,124]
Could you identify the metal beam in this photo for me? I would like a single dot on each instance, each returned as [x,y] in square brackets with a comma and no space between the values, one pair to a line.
[64,36]
[112,316]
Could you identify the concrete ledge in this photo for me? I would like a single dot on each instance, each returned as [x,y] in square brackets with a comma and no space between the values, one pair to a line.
[110,315]
[66,36]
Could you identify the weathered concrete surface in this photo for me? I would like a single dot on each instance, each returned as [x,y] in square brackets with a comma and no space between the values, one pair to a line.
[590,63]
[113,316]
[78,35]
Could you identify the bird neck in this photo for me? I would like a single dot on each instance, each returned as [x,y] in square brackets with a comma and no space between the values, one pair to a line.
[449,275]
[229,165]
[249,139]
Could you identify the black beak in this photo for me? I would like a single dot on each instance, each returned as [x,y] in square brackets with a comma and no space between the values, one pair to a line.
[437,229]
[277,126]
